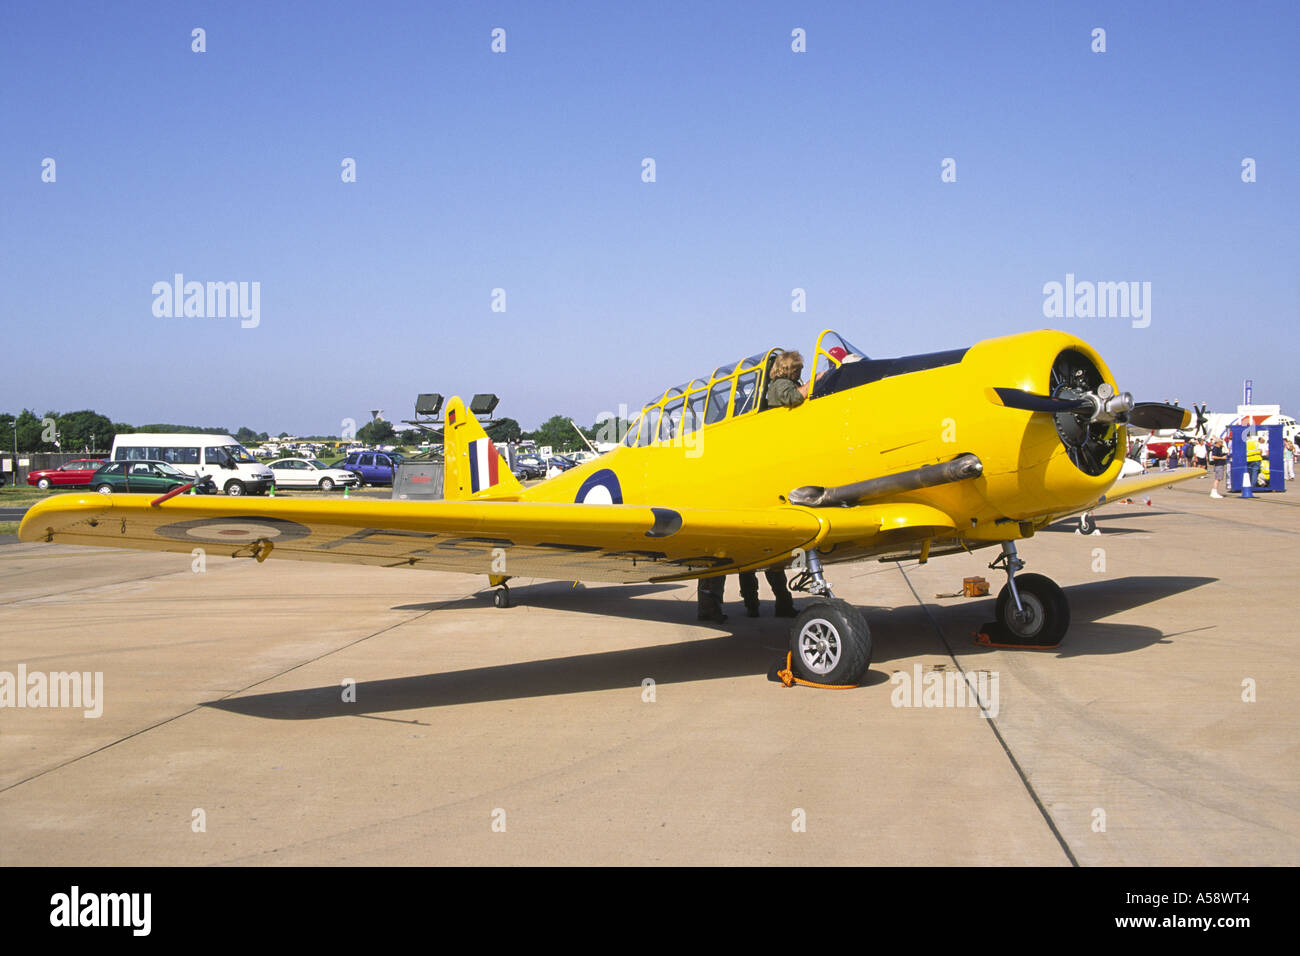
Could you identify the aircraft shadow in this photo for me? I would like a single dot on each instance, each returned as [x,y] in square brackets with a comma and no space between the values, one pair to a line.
[748,655]
[745,648]
[563,596]
[1089,604]
[1106,522]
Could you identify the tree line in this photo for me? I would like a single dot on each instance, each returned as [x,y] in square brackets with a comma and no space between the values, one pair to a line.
[89,431]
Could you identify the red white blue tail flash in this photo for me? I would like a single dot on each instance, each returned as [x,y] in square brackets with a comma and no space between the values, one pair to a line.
[483,459]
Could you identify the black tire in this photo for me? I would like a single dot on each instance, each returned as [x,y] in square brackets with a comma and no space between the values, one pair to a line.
[830,643]
[1047,608]
[326,484]
[501,598]
[104,489]
[43,484]
[235,488]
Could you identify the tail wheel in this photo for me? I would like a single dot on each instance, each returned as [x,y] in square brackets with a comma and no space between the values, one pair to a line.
[1044,614]
[830,643]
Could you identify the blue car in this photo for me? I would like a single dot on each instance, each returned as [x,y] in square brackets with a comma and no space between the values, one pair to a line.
[372,467]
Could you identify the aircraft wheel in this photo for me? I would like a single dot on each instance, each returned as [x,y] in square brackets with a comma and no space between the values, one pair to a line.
[234,488]
[1046,615]
[502,597]
[830,643]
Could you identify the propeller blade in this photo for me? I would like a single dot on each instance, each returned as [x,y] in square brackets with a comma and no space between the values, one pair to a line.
[1029,402]
[1202,419]
[1157,416]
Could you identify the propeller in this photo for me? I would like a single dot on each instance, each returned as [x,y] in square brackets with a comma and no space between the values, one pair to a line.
[1202,419]
[1087,410]
[1029,402]
[1157,416]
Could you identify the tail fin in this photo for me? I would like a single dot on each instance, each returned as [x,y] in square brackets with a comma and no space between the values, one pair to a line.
[473,467]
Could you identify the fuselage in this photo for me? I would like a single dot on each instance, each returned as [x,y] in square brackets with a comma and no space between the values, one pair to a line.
[882,427]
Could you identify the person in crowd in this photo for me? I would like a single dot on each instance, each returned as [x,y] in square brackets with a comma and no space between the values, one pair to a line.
[1218,460]
[1254,457]
[1288,459]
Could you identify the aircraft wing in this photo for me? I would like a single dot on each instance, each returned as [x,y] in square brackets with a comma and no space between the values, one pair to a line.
[580,542]
[1135,485]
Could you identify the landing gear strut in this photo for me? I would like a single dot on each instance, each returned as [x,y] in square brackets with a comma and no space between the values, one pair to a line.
[1031,609]
[811,578]
[830,642]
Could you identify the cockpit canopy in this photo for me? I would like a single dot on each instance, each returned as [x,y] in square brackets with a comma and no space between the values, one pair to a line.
[735,389]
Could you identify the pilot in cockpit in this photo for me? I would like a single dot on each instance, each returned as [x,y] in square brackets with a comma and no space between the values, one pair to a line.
[784,388]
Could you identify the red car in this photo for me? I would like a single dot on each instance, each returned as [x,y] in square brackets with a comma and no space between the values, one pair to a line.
[78,472]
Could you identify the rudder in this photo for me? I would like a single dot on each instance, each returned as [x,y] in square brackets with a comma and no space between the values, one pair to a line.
[472,466]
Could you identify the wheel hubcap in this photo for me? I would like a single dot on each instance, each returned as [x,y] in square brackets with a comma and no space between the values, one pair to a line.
[1030,619]
[819,646]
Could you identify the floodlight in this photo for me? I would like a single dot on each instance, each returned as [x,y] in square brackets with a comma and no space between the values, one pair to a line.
[483,404]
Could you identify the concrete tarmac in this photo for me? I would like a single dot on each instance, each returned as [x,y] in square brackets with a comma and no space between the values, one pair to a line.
[525,735]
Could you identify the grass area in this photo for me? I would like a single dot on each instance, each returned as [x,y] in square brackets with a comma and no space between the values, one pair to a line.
[8,527]
[11,497]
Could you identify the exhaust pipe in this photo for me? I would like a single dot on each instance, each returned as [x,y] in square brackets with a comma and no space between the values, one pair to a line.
[927,476]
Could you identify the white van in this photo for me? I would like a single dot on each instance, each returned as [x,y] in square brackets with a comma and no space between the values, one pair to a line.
[232,468]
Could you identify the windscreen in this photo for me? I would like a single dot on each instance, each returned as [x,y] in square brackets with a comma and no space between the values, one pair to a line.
[239,453]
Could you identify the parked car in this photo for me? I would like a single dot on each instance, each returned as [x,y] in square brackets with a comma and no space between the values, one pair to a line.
[372,467]
[529,468]
[150,477]
[310,473]
[70,475]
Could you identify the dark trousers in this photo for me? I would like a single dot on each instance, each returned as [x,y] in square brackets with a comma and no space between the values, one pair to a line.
[709,594]
[775,580]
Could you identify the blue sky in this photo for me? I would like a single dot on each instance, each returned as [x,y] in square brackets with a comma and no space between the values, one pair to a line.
[522,171]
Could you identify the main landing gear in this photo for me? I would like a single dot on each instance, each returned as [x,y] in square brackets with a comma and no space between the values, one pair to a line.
[830,642]
[1031,609]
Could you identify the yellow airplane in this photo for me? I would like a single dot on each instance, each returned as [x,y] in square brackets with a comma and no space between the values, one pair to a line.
[910,457]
